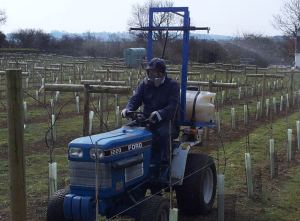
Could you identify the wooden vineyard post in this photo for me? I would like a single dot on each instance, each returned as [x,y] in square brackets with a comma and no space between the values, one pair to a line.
[27,83]
[16,162]
[74,72]
[274,106]
[245,115]
[218,121]
[61,73]
[86,110]
[263,94]
[101,110]
[287,106]
[292,87]
[226,91]
[42,86]
[210,85]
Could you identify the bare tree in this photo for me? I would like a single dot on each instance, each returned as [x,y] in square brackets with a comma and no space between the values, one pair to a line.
[140,18]
[288,20]
[31,38]
[2,17]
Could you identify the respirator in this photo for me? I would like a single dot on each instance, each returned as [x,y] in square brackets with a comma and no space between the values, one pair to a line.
[156,79]
[156,72]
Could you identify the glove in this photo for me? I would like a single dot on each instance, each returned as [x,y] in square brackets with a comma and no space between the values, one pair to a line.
[124,113]
[155,117]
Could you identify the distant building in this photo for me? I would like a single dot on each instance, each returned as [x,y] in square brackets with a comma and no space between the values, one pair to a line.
[134,57]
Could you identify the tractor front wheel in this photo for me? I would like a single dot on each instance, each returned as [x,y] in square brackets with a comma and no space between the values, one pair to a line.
[55,211]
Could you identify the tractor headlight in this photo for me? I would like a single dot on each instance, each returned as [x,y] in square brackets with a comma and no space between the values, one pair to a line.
[75,152]
[100,153]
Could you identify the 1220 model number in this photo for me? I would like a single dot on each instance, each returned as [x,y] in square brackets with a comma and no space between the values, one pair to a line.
[115,151]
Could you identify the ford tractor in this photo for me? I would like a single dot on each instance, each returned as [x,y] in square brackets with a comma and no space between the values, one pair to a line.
[120,172]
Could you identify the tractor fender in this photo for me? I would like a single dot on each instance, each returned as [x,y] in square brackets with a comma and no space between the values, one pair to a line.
[179,162]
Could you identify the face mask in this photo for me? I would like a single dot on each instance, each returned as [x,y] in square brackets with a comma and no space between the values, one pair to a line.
[158,81]
[154,78]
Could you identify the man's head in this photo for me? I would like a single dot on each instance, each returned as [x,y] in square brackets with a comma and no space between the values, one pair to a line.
[156,71]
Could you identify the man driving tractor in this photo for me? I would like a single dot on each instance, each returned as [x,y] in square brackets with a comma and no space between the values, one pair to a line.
[159,95]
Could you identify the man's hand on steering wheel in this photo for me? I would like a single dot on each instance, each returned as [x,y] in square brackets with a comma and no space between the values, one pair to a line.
[124,113]
[155,117]
[133,115]
[138,117]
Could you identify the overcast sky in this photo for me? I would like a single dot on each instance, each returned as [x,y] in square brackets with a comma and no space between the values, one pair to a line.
[225,17]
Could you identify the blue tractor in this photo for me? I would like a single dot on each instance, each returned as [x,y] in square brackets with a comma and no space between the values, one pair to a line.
[127,165]
[113,173]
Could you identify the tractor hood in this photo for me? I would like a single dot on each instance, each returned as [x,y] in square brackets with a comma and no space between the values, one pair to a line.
[116,142]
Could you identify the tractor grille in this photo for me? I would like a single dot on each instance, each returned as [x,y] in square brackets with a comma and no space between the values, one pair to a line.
[83,174]
[134,172]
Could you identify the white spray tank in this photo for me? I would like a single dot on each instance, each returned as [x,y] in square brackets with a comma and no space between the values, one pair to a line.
[203,104]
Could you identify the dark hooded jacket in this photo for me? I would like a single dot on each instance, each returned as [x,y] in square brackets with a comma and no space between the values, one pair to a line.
[164,99]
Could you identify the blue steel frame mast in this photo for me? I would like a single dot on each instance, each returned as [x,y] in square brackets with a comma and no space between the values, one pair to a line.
[186,28]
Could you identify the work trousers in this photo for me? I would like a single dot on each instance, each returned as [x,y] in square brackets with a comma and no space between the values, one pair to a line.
[161,138]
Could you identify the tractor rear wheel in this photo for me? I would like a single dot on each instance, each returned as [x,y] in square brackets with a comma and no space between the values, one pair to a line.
[55,211]
[156,208]
[197,194]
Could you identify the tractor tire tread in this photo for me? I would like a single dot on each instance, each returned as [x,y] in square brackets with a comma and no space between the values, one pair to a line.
[55,206]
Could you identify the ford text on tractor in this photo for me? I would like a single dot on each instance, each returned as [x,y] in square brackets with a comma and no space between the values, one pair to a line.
[113,173]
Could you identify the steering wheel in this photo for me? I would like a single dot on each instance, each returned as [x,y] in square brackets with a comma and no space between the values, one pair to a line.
[133,115]
[137,118]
